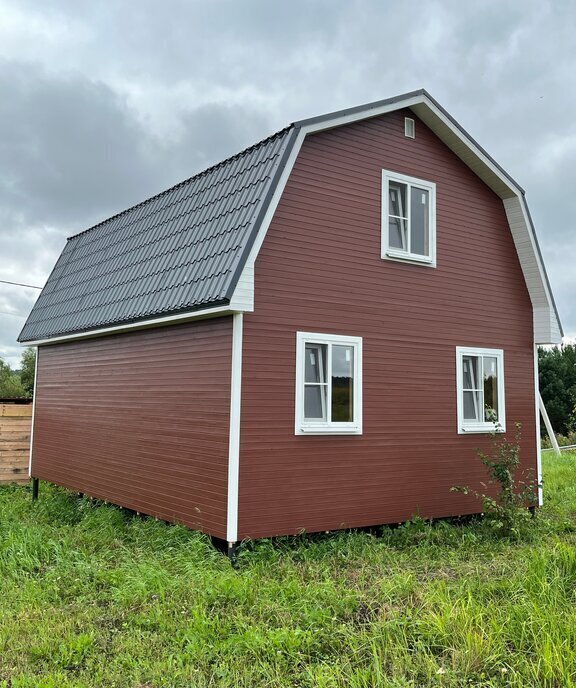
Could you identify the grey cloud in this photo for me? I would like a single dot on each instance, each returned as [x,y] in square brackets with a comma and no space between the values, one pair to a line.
[213,132]
[74,153]
[69,146]
[146,94]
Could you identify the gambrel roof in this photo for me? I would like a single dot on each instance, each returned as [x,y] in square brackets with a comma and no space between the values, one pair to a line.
[190,250]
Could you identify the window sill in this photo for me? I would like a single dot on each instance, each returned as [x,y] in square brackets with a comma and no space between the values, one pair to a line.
[329,430]
[409,258]
[486,428]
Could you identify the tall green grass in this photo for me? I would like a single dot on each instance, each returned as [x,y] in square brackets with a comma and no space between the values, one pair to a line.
[92,596]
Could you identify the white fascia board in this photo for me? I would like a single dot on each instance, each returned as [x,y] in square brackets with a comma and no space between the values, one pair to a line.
[427,108]
[537,400]
[547,329]
[368,113]
[234,436]
[267,219]
[140,325]
[243,296]
[33,413]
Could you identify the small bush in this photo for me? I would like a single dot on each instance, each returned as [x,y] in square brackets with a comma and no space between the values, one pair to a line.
[507,513]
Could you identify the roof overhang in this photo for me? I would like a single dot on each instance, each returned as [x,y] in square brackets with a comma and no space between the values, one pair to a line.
[173,319]
[547,327]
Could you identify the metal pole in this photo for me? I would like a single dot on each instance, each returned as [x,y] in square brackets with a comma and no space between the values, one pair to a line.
[231,552]
[548,425]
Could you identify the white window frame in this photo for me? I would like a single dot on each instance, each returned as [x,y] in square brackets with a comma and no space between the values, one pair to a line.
[468,426]
[304,427]
[391,253]
[409,128]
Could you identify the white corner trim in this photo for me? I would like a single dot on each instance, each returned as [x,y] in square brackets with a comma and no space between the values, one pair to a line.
[537,400]
[33,412]
[546,325]
[243,296]
[140,325]
[234,437]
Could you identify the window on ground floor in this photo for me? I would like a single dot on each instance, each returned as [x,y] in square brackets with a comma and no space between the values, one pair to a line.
[480,388]
[328,384]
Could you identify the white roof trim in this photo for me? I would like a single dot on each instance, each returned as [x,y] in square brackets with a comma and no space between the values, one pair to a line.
[547,328]
[140,325]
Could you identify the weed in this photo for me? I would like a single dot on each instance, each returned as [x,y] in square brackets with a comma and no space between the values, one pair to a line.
[507,513]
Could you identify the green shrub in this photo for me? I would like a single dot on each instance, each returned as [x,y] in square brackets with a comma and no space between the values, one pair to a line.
[506,513]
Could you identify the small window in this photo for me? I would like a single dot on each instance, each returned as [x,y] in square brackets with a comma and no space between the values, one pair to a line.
[409,128]
[408,219]
[480,382]
[328,384]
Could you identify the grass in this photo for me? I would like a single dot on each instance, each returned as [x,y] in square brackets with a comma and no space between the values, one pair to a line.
[91,596]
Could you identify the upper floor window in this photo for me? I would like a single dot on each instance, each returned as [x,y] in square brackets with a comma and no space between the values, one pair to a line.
[480,383]
[408,218]
[328,384]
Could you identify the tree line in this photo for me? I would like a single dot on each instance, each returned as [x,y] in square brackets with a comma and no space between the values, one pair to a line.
[558,387]
[18,382]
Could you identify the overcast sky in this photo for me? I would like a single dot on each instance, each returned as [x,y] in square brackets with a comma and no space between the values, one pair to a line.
[105,104]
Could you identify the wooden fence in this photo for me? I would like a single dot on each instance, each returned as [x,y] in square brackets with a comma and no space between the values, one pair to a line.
[15,429]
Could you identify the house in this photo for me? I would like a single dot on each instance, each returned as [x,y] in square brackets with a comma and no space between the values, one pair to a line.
[311,335]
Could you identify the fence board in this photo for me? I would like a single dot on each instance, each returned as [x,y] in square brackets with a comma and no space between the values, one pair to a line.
[15,429]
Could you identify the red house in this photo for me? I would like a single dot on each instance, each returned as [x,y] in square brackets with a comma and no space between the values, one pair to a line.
[310,335]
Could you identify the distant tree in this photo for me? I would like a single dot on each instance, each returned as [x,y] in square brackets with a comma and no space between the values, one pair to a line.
[558,386]
[27,370]
[10,383]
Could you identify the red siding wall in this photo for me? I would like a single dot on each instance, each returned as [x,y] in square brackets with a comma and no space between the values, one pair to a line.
[320,270]
[140,419]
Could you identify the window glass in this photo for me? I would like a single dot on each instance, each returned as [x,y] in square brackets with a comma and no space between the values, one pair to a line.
[419,214]
[397,199]
[315,402]
[470,372]
[471,405]
[315,387]
[490,388]
[342,384]
[315,363]
[398,219]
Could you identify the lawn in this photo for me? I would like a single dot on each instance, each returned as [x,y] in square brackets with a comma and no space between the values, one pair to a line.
[93,596]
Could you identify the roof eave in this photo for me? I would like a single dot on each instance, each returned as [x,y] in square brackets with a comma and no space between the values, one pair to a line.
[141,324]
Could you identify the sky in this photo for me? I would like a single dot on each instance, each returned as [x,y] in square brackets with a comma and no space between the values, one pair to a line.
[105,104]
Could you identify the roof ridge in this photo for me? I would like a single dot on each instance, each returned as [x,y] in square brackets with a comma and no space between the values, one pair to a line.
[244,151]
